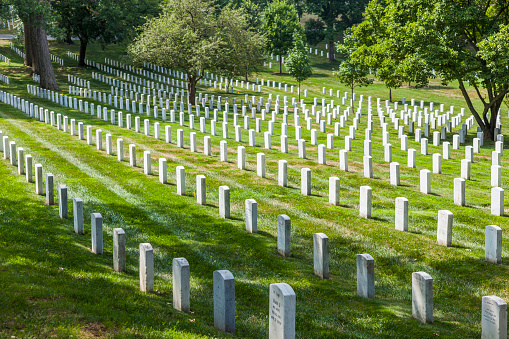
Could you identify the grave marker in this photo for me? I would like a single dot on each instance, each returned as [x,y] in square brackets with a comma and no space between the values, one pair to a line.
[422,297]
[444,228]
[493,244]
[459,191]
[224,202]
[251,215]
[321,255]
[62,202]
[305,177]
[201,190]
[497,201]
[401,214]
[282,306]
[78,215]
[224,301]
[365,202]
[283,235]
[146,268]
[494,317]
[334,189]
[365,275]
[181,277]
[50,193]
[119,250]
[97,233]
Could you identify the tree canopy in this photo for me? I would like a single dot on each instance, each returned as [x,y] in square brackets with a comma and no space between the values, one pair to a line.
[297,61]
[35,15]
[462,40]
[107,21]
[195,36]
[338,15]
[279,22]
[350,73]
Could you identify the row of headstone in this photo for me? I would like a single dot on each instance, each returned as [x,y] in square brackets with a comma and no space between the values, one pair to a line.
[5,59]
[4,79]
[425,178]
[282,305]
[17,50]
[497,194]
[281,324]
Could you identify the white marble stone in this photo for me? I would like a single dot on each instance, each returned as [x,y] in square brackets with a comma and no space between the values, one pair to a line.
[497,201]
[494,318]
[321,255]
[305,179]
[444,228]
[365,202]
[425,181]
[365,275]
[334,189]
[459,191]
[146,268]
[422,297]
[78,215]
[97,233]
[493,244]
[224,202]
[181,180]
[282,173]
[119,250]
[282,305]
[401,214]
[251,216]
[283,235]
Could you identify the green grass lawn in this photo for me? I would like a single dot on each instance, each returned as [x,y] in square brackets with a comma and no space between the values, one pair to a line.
[53,286]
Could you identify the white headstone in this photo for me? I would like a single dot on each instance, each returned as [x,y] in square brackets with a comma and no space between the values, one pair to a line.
[422,297]
[444,228]
[365,275]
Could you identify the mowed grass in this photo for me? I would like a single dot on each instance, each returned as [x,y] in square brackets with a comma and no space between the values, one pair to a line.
[52,285]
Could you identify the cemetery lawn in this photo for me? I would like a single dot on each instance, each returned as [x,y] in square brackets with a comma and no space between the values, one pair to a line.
[52,285]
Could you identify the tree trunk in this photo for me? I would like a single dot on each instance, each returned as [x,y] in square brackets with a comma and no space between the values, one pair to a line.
[192,80]
[280,65]
[390,94]
[487,126]
[351,100]
[68,38]
[299,91]
[41,57]
[83,52]
[28,43]
[331,51]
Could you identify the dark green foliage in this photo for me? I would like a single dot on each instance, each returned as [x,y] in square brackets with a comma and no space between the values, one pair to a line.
[466,41]
[315,31]
[279,23]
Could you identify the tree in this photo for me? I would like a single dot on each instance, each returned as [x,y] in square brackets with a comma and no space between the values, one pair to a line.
[297,61]
[279,22]
[194,36]
[315,31]
[337,16]
[253,13]
[34,14]
[242,46]
[80,18]
[460,40]
[350,73]
[107,21]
